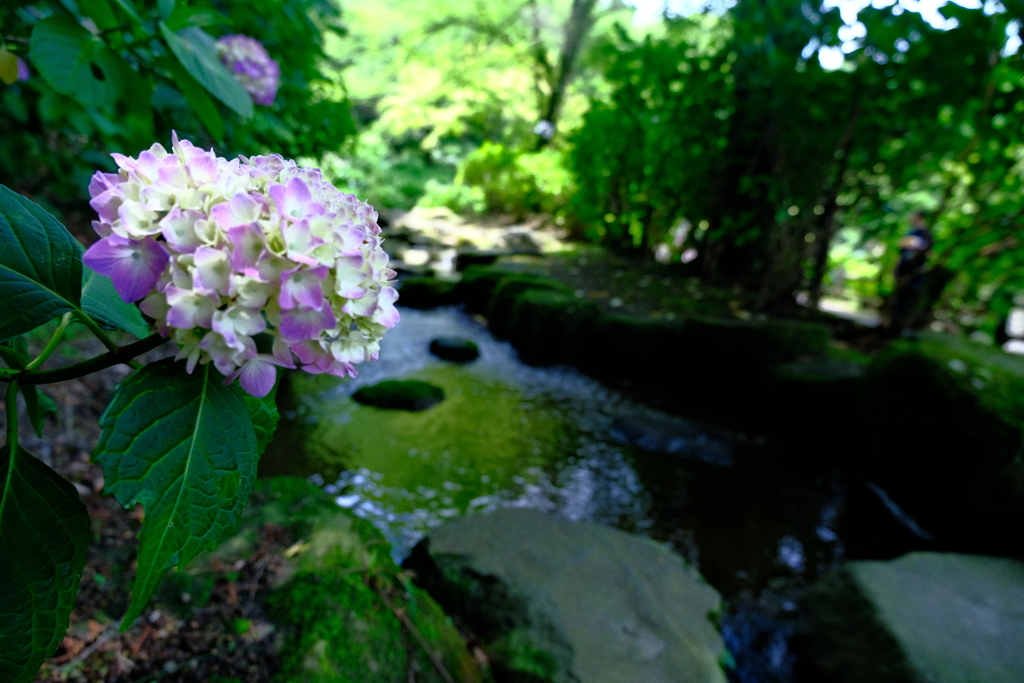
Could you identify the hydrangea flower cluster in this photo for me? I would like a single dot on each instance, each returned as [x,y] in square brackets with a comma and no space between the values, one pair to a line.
[250,263]
[248,61]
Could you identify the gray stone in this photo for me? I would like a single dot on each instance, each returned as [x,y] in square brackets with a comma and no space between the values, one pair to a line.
[561,601]
[923,618]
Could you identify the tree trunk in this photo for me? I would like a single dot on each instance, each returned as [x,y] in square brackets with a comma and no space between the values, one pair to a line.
[577,27]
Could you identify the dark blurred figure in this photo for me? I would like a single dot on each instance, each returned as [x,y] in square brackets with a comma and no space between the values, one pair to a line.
[918,286]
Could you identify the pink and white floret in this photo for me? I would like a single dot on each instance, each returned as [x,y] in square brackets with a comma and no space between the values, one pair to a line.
[250,263]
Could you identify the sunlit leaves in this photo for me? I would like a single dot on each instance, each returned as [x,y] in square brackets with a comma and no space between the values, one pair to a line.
[196,50]
[184,447]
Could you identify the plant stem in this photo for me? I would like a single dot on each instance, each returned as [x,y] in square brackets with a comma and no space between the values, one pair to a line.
[97,330]
[12,422]
[51,346]
[120,354]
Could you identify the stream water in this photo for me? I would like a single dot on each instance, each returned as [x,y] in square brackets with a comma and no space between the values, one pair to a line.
[550,438]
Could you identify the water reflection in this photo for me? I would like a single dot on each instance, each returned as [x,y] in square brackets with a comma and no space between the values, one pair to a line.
[552,439]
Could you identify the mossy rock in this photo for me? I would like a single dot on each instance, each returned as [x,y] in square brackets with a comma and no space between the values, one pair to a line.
[455,349]
[477,286]
[549,327]
[400,395]
[754,345]
[710,353]
[426,292]
[924,617]
[633,348]
[507,293]
[946,418]
[467,259]
[345,611]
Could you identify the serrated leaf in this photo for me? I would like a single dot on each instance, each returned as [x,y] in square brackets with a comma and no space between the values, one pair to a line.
[184,447]
[40,266]
[75,63]
[102,302]
[197,51]
[44,533]
[265,417]
[38,405]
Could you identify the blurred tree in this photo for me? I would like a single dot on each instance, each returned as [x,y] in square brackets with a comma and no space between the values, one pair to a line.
[730,122]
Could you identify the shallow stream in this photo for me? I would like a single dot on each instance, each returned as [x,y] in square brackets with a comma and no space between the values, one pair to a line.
[551,438]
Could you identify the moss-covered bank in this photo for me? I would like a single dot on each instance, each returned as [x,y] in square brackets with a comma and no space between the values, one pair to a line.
[345,613]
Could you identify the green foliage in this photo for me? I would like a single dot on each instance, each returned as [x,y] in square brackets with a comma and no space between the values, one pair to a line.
[391,174]
[459,198]
[114,76]
[40,266]
[75,64]
[517,183]
[264,415]
[102,302]
[197,52]
[184,447]
[44,531]
[723,123]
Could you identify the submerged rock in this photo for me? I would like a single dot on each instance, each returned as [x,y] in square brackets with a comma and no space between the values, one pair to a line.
[455,349]
[400,395]
[676,436]
[556,601]
[934,617]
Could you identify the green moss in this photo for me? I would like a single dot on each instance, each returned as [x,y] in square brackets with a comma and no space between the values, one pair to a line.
[549,327]
[426,292]
[508,291]
[477,285]
[422,458]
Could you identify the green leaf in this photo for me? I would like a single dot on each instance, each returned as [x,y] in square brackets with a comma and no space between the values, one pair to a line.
[129,8]
[183,16]
[203,106]
[104,305]
[265,417]
[197,51]
[14,352]
[40,266]
[166,7]
[75,63]
[44,533]
[38,405]
[183,446]
[101,13]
